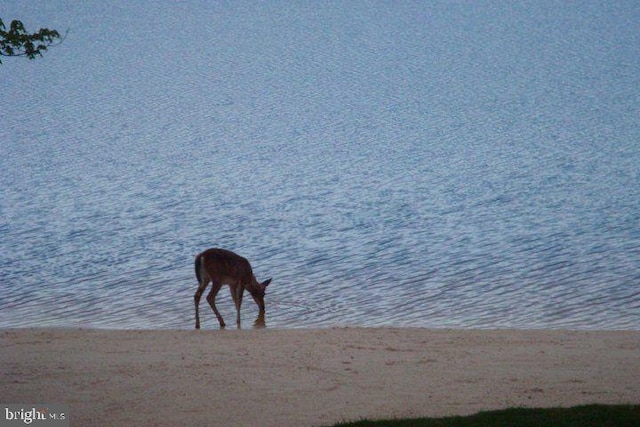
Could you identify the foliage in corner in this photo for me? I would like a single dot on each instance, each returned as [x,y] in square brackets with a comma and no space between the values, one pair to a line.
[18,42]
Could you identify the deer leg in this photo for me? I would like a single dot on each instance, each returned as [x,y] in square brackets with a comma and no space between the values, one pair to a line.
[211,298]
[196,299]
[236,293]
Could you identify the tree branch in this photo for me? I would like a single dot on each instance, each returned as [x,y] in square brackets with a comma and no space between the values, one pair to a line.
[18,42]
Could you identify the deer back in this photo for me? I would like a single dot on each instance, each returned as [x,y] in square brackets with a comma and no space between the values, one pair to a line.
[226,267]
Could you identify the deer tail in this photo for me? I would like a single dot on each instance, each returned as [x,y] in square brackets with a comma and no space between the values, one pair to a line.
[198,264]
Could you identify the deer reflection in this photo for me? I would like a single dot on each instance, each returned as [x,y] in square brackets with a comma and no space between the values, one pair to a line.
[260,321]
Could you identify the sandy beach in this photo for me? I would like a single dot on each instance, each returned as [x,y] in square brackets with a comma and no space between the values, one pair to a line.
[310,377]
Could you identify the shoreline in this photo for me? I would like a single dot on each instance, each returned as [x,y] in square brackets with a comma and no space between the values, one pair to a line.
[311,377]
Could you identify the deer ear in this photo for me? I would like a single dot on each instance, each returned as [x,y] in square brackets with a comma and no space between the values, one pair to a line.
[266,282]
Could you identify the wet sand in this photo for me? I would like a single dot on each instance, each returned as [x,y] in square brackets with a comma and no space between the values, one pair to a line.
[311,377]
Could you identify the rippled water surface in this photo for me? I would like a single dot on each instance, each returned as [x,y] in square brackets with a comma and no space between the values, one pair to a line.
[430,164]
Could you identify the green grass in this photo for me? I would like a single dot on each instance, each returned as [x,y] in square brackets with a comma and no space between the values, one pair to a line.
[579,416]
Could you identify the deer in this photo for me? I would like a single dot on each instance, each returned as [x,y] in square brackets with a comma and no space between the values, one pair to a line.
[223,267]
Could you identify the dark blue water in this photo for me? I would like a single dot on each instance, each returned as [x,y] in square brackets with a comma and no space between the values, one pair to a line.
[437,164]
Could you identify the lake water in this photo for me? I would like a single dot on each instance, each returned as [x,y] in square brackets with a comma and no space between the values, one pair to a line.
[427,164]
